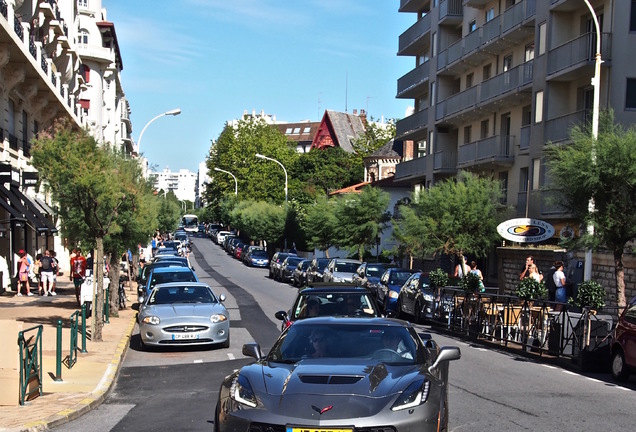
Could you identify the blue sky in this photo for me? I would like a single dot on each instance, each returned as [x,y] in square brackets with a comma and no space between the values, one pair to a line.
[216,58]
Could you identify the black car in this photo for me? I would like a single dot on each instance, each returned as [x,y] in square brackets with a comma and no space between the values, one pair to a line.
[299,276]
[389,287]
[368,276]
[316,269]
[276,263]
[419,300]
[288,266]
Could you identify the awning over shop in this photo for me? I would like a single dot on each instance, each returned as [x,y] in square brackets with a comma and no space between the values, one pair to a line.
[26,209]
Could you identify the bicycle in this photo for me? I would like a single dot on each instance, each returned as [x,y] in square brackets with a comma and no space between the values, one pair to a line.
[122,296]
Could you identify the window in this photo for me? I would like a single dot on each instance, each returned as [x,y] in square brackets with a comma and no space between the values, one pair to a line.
[421,148]
[469,80]
[82,3]
[288,131]
[85,72]
[83,37]
[485,128]
[487,72]
[421,59]
[632,19]
[490,14]
[536,173]
[472,26]
[434,44]
[432,93]
[296,131]
[630,100]
[538,107]
[306,130]
[430,142]
[467,132]
[542,35]
[507,63]
[523,180]
[529,52]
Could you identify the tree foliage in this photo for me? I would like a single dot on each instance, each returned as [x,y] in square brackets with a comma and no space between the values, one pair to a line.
[602,170]
[454,217]
[319,224]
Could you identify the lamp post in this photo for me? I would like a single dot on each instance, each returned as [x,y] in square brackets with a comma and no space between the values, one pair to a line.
[233,176]
[596,82]
[174,112]
[258,155]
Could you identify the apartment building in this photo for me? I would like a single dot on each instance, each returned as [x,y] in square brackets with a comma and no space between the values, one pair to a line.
[57,59]
[494,80]
[182,183]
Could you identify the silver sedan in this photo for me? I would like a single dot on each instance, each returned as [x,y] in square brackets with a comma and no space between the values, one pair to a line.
[184,313]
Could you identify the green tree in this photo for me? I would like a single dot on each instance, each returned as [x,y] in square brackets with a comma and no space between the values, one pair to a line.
[319,224]
[602,170]
[375,136]
[169,212]
[84,179]
[323,171]
[453,217]
[361,219]
[263,221]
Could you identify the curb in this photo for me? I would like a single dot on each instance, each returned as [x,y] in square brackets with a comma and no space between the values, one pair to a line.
[96,397]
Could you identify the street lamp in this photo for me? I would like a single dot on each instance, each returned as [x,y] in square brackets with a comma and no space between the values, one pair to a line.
[174,112]
[233,176]
[258,155]
[596,82]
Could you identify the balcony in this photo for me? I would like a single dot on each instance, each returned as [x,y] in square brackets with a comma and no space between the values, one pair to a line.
[413,41]
[478,4]
[524,138]
[451,12]
[414,83]
[558,129]
[488,152]
[445,162]
[413,5]
[459,102]
[576,58]
[506,82]
[412,126]
[415,168]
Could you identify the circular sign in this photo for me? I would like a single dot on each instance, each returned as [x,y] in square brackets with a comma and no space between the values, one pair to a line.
[525,230]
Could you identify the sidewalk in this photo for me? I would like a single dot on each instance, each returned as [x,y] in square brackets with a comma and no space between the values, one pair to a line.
[85,385]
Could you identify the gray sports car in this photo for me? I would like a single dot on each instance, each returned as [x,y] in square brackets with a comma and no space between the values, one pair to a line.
[340,375]
[184,313]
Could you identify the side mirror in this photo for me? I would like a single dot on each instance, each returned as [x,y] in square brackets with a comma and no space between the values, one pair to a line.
[140,299]
[281,315]
[222,298]
[446,354]
[252,350]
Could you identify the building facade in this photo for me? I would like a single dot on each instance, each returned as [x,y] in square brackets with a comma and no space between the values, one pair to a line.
[182,183]
[493,81]
[58,59]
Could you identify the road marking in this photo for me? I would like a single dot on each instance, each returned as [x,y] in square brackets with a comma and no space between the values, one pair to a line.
[230,356]
[198,361]
[549,366]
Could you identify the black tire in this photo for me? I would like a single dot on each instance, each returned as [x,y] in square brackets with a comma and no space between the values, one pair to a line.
[217,410]
[620,371]
[226,344]
[419,314]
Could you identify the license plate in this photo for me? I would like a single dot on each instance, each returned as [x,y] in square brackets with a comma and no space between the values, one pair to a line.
[181,336]
[310,429]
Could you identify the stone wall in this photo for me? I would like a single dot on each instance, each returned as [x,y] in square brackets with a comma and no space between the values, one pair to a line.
[511,261]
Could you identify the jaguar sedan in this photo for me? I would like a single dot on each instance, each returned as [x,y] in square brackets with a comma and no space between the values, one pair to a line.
[340,374]
[184,313]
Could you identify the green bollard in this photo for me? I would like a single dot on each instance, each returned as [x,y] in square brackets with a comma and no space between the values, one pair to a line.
[83,350]
[58,353]
[107,306]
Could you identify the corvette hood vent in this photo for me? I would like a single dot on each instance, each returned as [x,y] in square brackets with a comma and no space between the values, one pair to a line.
[329,379]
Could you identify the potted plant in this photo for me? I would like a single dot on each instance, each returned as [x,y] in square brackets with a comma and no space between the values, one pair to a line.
[438,278]
[470,283]
[590,295]
[530,289]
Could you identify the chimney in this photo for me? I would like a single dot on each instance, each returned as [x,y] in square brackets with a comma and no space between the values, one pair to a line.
[363,116]
[355,111]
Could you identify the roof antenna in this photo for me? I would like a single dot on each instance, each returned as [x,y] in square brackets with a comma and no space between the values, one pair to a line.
[346,89]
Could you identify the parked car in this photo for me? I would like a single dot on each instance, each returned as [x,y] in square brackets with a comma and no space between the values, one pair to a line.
[340,270]
[238,250]
[220,237]
[147,269]
[288,266]
[624,344]
[316,269]
[324,299]
[276,262]
[299,275]
[257,258]
[389,287]
[248,249]
[183,313]
[419,300]
[367,275]
[167,274]
[320,375]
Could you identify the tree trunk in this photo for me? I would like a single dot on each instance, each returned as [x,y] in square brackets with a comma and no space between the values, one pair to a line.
[98,302]
[114,283]
[619,271]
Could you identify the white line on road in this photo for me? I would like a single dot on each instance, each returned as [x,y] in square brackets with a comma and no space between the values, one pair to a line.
[198,361]
[230,356]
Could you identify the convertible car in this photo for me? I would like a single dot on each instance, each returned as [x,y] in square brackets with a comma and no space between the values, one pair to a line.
[183,313]
[340,374]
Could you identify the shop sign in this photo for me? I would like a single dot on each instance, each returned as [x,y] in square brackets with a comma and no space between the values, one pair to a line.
[525,230]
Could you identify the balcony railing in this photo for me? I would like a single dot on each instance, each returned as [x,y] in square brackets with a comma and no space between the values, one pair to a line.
[413,123]
[496,147]
[504,82]
[579,50]
[414,78]
[416,31]
[457,102]
[412,168]
[558,128]
[524,138]
[13,142]
[518,13]
[3,8]
[450,8]
[17,27]
[445,161]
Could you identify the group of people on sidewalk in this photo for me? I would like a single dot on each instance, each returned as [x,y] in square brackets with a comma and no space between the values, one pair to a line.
[554,280]
[45,267]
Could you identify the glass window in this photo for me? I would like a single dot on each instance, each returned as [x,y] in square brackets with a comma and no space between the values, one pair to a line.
[469,80]
[485,128]
[542,36]
[490,14]
[538,107]
[529,52]
[487,71]
[472,26]
[467,131]
[288,130]
[523,179]
[536,171]
[632,19]
[630,100]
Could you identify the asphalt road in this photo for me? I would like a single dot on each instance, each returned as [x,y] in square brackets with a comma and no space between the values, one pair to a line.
[490,390]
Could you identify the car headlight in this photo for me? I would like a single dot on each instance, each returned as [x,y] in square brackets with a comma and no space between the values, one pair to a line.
[428,297]
[393,294]
[217,318]
[414,395]
[154,320]
[241,391]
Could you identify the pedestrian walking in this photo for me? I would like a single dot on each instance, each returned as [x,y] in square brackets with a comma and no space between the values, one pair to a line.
[56,270]
[461,269]
[23,274]
[46,273]
[561,286]
[78,270]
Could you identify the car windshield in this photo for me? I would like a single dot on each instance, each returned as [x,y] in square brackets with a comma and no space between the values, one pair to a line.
[364,342]
[159,278]
[322,263]
[313,304]
[293,261]
[259,254]
[399,277]
[345,267]
[184,294]
[375,270]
